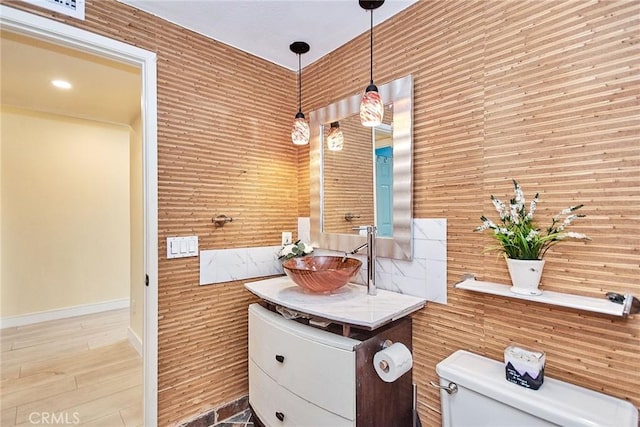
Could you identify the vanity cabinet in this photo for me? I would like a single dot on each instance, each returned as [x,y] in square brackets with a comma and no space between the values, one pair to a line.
[301,375]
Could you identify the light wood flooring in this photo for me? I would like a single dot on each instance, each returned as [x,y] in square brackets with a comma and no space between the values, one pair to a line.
[75,371]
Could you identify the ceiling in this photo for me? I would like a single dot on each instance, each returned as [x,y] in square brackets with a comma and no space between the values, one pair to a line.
[266,28]
[102,90]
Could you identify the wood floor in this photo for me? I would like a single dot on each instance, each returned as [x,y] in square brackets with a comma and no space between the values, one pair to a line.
[76,371]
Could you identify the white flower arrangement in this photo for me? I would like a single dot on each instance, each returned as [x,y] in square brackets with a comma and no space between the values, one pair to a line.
[517,235]
[296,249]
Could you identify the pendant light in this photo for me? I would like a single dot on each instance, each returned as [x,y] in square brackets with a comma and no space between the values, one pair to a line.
[335,138]
[300,130]
[371,107]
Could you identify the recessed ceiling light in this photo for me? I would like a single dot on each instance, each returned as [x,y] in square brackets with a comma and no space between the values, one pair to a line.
[61,84]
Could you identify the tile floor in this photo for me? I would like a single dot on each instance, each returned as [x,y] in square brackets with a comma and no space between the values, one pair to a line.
[240,420]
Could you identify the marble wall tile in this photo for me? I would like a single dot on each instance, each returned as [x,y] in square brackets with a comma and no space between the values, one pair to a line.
[304,229]
[425,276]
[430,229]
[225,265]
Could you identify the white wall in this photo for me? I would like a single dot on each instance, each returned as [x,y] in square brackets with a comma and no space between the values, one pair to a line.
[65,221]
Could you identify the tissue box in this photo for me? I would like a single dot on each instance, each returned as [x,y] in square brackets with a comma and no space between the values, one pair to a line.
[524,366]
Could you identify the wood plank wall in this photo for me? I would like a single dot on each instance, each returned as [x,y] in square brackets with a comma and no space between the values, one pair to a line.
[544,92]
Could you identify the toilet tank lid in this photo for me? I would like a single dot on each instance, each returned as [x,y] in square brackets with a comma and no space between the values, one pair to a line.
[556,401]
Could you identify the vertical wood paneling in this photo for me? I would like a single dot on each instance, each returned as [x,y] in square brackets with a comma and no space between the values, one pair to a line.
[544,92]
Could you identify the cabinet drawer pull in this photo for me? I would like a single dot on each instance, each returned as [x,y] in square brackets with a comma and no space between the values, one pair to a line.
[280,358]
[280,416]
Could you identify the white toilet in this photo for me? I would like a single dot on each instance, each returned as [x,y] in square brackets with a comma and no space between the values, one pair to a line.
[483,397]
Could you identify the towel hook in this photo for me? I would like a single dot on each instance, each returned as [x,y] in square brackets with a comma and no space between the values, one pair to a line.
[221,220]
[350,217]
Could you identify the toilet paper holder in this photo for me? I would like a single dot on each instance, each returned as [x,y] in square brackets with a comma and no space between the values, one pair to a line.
[384,366]
[392,360]
[383,363]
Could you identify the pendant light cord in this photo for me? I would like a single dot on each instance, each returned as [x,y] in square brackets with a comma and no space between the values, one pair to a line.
[371,46]
[299,84]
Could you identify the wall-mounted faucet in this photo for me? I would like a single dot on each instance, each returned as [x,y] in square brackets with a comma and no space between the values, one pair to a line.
[371,257]
[353,252]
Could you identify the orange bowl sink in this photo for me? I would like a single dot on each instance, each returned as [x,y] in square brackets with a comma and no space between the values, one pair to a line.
[321,273]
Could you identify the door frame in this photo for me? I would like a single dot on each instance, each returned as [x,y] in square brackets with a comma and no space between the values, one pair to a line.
[62,34]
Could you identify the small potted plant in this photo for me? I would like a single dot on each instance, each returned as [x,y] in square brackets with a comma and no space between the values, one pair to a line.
[522,242]
[293,250]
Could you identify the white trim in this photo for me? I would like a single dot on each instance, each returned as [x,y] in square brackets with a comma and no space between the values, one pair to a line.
[63,34]
[134,340]
[62,313]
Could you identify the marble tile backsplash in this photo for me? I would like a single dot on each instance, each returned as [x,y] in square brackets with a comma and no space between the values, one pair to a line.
[225,265]
[425,276]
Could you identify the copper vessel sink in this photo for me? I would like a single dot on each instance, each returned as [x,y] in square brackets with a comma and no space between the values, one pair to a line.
[321,273]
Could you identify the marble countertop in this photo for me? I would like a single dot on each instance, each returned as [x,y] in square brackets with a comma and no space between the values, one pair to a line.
[348,305]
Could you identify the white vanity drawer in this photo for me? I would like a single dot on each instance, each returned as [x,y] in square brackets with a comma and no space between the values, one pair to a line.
[276,406]
[316,365]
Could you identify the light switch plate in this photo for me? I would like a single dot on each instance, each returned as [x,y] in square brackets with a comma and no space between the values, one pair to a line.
[182,247]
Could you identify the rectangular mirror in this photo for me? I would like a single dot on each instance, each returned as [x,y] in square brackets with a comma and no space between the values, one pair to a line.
[368,181]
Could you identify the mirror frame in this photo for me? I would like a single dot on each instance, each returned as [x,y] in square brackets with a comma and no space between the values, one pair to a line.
[399,93]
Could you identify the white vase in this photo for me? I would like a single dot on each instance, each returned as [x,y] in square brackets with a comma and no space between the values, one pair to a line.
[525,275]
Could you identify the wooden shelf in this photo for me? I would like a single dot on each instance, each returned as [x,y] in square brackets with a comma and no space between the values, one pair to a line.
[631,305]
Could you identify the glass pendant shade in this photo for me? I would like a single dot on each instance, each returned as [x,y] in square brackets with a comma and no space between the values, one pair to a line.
[300,131]
[371,107]
[335,139]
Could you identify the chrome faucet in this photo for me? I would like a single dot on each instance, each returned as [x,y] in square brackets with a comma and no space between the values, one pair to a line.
[371,257]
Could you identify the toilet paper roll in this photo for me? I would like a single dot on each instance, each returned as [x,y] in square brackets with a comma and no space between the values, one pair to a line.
[392,362]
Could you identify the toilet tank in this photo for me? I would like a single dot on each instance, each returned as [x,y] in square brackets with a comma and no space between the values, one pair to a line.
[486,398]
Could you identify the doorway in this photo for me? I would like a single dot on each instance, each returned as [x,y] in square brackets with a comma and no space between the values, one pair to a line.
[60,34]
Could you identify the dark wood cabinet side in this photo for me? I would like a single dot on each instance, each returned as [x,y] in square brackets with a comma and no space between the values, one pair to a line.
[378,403]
